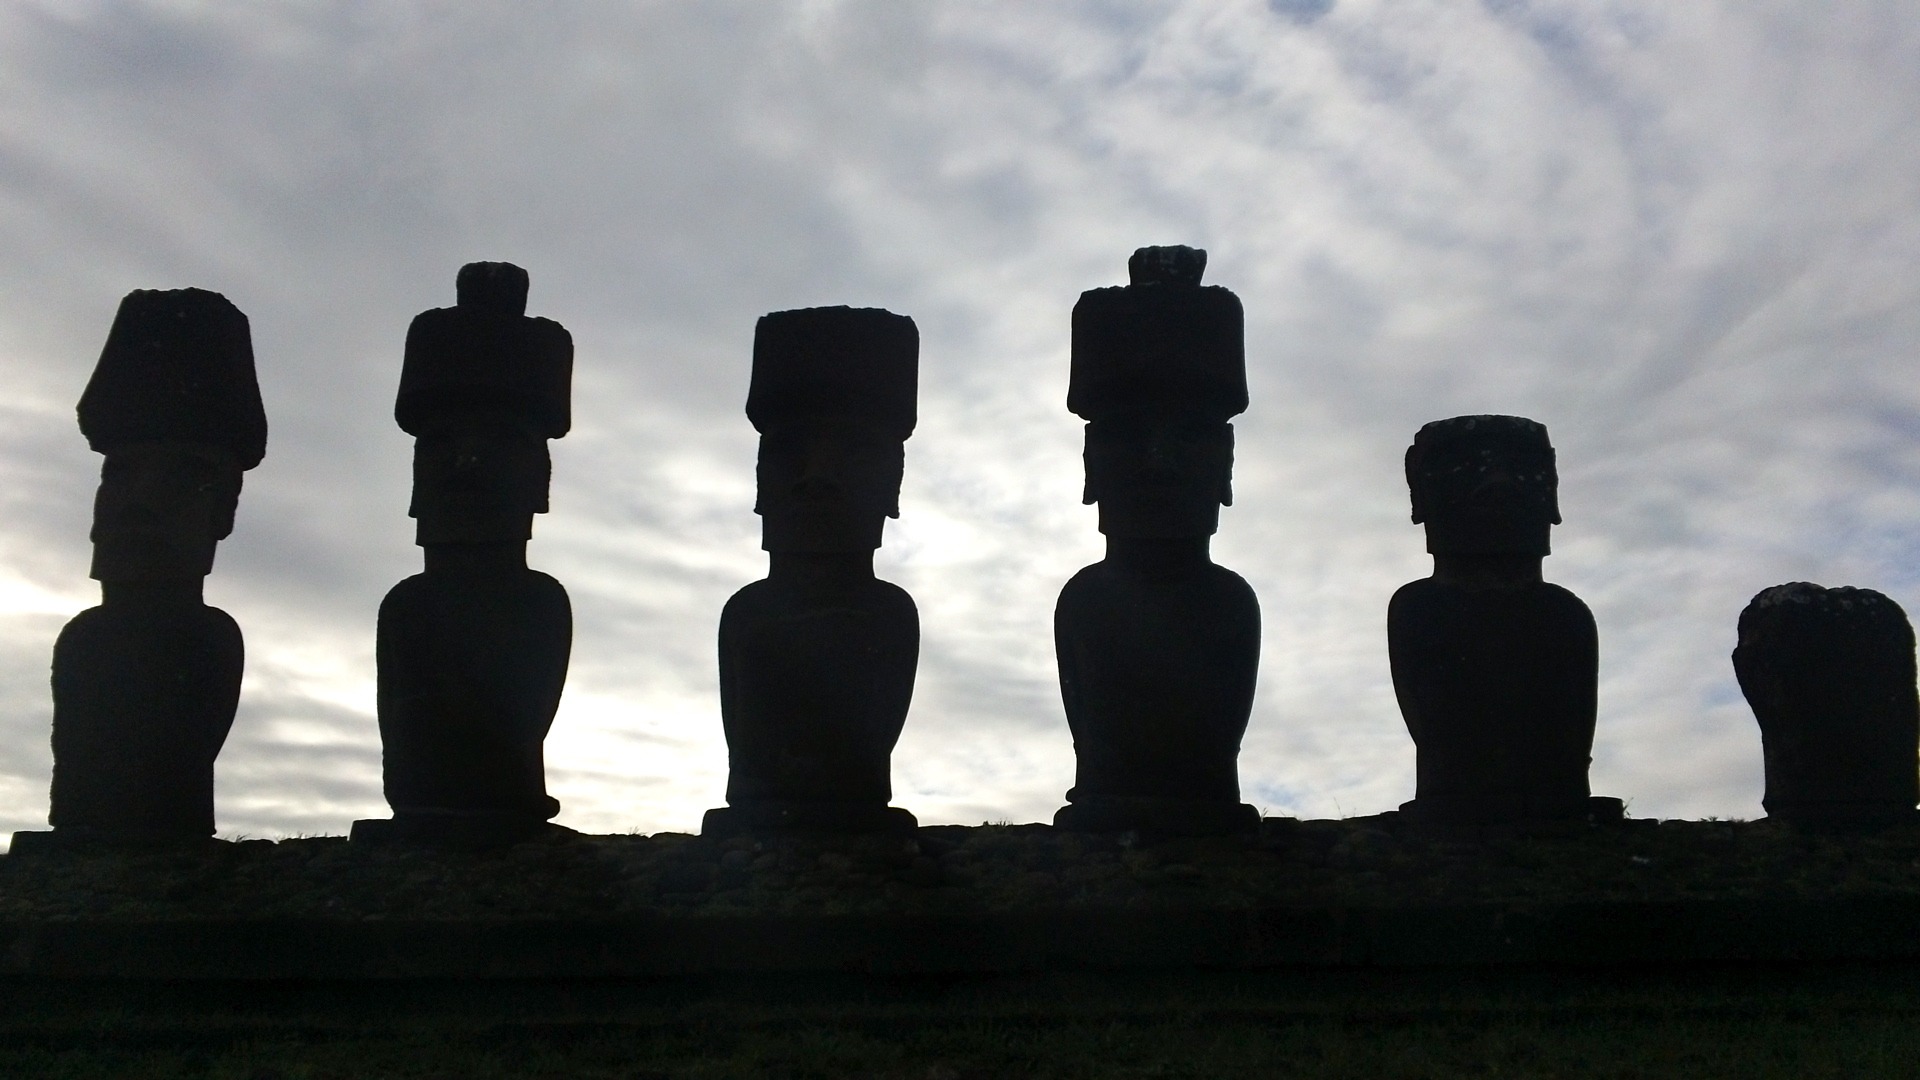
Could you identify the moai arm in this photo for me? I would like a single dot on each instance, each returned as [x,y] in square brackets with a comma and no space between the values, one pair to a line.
[1158,647]
[817,660]
[145,685]
[473,652]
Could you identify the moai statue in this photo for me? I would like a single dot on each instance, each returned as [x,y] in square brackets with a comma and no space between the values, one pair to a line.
[1496,670]
[472,654]
[145,685]
[1158,647]
[817,659]
[1830,676]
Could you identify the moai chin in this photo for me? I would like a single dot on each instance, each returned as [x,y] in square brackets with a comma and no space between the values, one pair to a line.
[1830,676]
[145,685]
[1495,669]
[1158,647]
[472,653]
[817,659]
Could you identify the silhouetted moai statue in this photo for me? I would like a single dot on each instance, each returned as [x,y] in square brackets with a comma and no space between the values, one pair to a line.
[472,654]
[1496,670]
[1158,647]
[817,660]
[145,685]
[1830,676]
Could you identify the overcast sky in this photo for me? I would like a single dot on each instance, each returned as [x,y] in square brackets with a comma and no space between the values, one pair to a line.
[1685,237]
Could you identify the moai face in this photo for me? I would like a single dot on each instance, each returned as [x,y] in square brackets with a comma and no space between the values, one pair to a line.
[833,396]
[1484,485]
[1159,476]
[827,487]
[161,509]
[479,489]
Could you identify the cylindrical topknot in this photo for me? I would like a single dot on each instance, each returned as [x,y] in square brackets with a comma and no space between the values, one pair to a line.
[1164,344]
[484,367]
[1450,458]
[1175,264]
[499,287]
[859,366]
[177,367]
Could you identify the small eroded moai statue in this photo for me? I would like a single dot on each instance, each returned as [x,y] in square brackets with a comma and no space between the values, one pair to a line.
[1495,669]
[472,653]
[817,659]
[145,685]
[1830,676]
[1158,647]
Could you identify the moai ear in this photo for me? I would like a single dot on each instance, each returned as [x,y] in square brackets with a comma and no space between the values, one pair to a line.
[227,502]
[1414,493]
[1090,488]
[1553,499]
[1226,479]
[899,477]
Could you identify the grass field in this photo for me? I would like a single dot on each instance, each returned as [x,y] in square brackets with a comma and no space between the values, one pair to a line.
[1859,1021]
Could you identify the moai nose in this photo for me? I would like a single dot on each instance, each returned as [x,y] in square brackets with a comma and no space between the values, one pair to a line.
[812,487]
[1493,480]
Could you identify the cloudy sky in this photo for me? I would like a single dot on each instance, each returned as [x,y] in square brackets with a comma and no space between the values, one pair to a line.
[1686,237]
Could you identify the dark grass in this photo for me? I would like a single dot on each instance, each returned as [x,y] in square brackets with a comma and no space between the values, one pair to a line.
[1755,1022]
[1727,1021]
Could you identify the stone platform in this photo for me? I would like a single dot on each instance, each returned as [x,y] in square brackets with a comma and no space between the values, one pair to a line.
[1356,894]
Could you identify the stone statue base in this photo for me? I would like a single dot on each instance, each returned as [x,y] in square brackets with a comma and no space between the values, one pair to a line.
[1591,809]
[1161,817]
[1863,815]
[820,817]
[470,830]
[82,838]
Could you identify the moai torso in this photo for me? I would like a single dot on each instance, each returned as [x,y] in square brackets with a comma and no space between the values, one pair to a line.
[1495,669]
[1158,647]
[1830,676]
[145,685]
[817,660]
[472,653]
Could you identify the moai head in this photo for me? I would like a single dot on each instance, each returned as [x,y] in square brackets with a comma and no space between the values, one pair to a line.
[483,388]
[1484,485]
[175,407]
[1159,367]
[833,396]
[1830,676]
